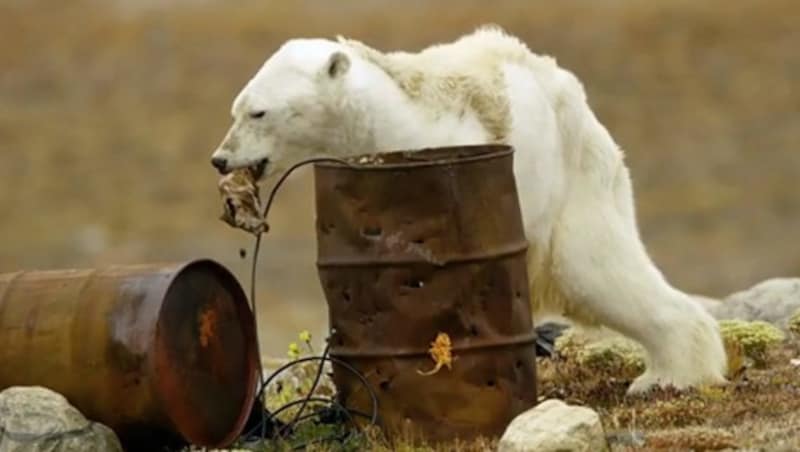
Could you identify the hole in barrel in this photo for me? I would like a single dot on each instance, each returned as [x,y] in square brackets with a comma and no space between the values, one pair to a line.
[473,330]
[414,283]
[346,295]
[384,385]
[491,383]
[371,231]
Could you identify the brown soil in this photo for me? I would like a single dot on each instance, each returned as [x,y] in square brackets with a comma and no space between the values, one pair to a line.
[759,409]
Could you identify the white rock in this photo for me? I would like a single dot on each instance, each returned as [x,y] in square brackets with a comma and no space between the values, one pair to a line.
[773,301]
[555,426]
[710,304]
[35,419]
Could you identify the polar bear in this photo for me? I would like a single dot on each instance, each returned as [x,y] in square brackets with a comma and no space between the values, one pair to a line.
[319,97]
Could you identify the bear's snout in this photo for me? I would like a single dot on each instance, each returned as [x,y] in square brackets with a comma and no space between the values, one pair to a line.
[221,164]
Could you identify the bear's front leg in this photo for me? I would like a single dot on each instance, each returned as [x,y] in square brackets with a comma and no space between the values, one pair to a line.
[605,272]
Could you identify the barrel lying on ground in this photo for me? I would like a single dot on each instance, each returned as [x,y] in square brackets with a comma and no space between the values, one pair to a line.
[413,244]
[161,354]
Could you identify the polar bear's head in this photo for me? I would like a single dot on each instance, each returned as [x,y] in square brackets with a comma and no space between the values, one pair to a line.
[292,109]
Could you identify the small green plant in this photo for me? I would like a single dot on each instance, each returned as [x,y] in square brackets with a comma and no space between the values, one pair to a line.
[296,382]
[753,337]
[794,323]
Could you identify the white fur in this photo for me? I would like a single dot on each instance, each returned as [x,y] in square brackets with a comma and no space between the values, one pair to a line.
[586,260]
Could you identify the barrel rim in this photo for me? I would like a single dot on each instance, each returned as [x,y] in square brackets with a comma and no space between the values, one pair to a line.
[490,151]
[252,359]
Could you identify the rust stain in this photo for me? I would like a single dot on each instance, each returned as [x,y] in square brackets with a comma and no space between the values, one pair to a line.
[208,326]
[422,243]
[120,344]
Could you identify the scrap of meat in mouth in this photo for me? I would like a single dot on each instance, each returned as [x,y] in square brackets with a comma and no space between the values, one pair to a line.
[241,201]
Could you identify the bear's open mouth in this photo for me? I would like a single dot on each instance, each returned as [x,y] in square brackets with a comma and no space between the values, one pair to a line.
[257,170]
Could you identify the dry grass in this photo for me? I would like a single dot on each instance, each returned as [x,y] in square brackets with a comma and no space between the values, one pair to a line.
[758,409]
[109,111]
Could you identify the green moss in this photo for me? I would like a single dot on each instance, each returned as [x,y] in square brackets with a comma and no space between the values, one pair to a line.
[753,337]
[613,354]
[794,323]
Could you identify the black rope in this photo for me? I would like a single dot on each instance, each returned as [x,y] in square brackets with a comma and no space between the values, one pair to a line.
[332,407]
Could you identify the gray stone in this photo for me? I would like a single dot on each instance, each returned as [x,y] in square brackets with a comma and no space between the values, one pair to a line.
[555,426]
[36,419]
[773,301]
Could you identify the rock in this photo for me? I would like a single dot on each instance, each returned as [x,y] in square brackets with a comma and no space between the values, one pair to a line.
[546,335]
[34,419]
[554,426]
[774,301]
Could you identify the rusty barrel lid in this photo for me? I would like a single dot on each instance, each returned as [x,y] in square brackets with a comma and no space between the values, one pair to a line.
[438,156]
[204,354]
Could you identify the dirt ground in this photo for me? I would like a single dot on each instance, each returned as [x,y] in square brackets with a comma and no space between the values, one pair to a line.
[759,409]
[109,111]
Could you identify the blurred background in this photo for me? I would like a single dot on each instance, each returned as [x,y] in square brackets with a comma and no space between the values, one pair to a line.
[109,112]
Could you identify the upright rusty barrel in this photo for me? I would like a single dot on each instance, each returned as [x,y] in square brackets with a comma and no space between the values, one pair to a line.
[413,244]
[159,353]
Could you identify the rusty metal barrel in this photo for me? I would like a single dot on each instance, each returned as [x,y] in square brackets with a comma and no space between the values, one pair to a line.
[413,244]
[162,354]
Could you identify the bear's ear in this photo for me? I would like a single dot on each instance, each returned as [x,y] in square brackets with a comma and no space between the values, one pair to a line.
[338,64]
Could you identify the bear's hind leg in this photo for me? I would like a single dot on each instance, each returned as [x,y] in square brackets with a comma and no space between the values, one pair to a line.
[605,272]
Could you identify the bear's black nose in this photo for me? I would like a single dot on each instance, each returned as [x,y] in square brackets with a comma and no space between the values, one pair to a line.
[220,164]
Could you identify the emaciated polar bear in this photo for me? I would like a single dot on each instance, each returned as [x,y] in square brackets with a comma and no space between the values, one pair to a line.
[317,97]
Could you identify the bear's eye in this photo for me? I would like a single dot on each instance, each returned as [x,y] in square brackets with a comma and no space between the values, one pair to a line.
[258,114]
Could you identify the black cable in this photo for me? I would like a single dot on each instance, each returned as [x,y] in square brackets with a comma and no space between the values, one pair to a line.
[351,369]
[271,418]
[311,390]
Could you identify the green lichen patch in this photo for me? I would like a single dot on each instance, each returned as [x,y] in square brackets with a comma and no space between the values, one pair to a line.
[749,411]
[754,338]
[794,323]
[612,354]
